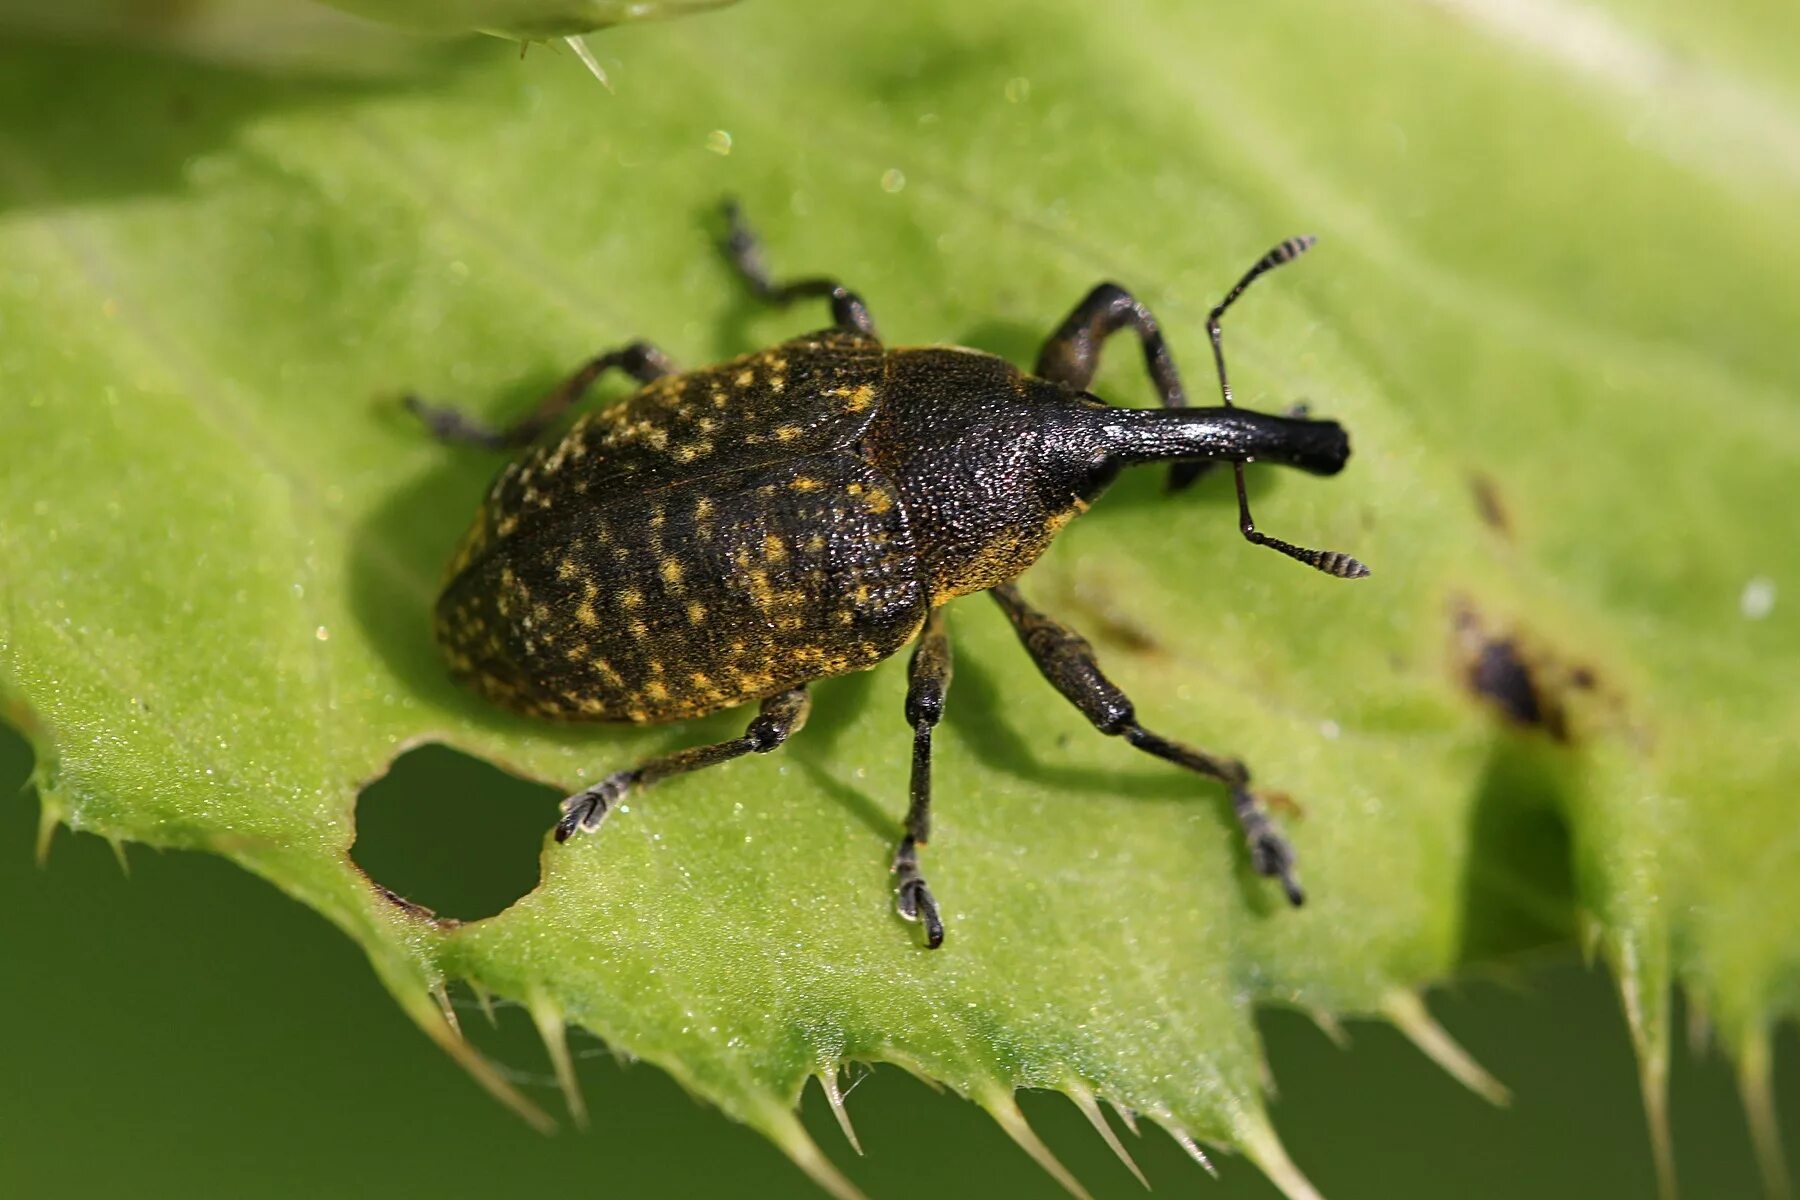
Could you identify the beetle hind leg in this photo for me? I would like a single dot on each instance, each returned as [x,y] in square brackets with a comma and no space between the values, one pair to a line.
[640,360]
[1067,661]
[780,717]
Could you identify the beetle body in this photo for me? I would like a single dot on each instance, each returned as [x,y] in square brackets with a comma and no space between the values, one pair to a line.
[729,535]
[726,534]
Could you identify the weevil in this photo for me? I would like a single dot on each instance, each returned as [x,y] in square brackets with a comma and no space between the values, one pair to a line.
[727,536]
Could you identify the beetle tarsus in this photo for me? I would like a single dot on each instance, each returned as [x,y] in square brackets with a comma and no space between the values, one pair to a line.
[452,425]
[913,899]
[1270,854]
[583,812]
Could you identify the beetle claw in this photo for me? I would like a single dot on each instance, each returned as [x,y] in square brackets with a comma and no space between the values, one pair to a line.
[915,903]
[1271,855]
[583,812]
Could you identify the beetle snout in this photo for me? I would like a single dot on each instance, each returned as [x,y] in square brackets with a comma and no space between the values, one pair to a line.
[1318,447]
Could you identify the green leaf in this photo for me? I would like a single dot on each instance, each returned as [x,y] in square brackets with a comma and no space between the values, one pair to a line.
[1555,320]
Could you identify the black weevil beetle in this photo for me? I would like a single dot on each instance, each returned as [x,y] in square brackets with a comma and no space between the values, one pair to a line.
[732,534]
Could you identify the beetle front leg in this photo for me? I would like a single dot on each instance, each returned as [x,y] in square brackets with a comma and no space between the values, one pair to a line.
[928,679]
[1071,355]
[1067,661]
[744,250]
[780,717]
[640,360]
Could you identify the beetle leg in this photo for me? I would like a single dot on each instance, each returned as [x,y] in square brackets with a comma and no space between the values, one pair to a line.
[781,716]
[928,679]
[744,249]
[640,360]
[1067,661]
[1071,355]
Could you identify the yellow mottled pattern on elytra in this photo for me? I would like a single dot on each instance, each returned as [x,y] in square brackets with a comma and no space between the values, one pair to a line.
[713,539]
[807,394]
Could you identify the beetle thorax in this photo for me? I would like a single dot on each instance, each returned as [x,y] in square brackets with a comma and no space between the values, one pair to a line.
[990,463]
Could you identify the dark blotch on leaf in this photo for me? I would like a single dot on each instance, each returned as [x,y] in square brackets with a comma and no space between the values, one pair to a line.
[1523,685]
[1503,676]
[1489,505]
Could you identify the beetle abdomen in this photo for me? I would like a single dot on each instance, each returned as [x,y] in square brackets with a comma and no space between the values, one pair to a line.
[679,598]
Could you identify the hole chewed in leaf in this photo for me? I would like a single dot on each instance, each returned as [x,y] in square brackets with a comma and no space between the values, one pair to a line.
[447,836]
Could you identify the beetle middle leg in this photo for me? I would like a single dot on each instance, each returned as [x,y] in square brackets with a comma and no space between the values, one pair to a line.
[780,717]
[744,249]
[640,360]
[1067,661]
[928,679]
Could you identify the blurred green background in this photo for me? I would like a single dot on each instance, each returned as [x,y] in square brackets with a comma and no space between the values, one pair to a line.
[188,1030]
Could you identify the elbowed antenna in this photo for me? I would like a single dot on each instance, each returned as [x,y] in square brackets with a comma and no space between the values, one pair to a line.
[1237,436]
[1331,562]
